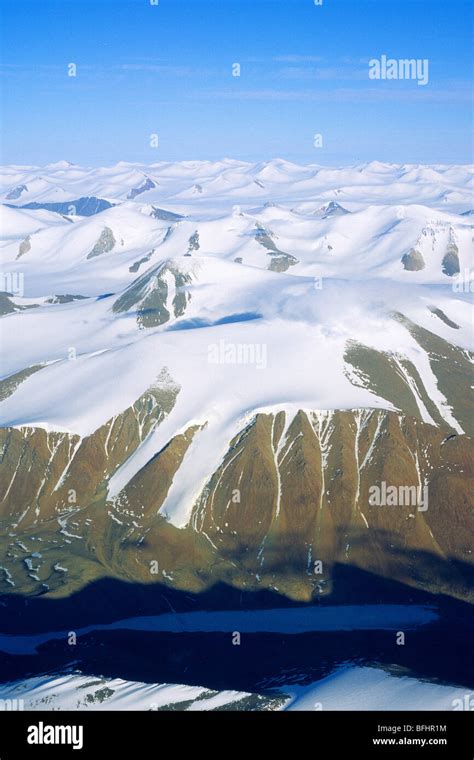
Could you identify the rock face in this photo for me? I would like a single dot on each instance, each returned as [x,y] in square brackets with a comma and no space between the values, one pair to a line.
[105,243]
[293,494]
[59,462]
[280,261]
[334,209]
[65,298]
[16,192]
[292,497]
[193,243]
[11,383]
[450,262]
[85,206]
[9,306]
[413,261]
[304,497]
[24,247]
[147,184]
[167,216]
[144,260]
[149,295]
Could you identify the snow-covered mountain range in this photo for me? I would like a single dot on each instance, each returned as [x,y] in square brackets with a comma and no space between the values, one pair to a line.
[207,366]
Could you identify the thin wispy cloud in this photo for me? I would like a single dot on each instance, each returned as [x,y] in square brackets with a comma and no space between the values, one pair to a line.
[298,58]
[159,68]
[346,95]
[323,74]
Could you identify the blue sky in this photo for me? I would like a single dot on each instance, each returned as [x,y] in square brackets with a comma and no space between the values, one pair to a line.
[166,69]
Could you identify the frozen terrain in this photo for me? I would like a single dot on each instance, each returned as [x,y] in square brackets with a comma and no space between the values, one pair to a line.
[247,279]
[346,688]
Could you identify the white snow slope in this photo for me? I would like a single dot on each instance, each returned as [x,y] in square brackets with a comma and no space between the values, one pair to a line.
[249,336]
[348,687]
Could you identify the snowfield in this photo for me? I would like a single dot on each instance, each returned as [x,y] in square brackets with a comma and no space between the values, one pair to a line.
[284,266]
[366,688]
[348,687]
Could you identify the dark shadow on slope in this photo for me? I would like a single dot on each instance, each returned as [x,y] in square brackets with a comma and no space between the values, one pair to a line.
[110,599]
[439,652]
[85,206]
[197,322]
